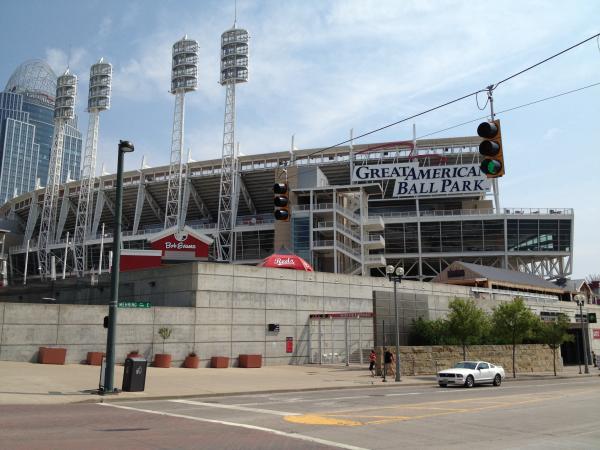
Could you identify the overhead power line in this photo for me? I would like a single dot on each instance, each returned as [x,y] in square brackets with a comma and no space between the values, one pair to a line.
[493,86]
[546,60]
[572,91]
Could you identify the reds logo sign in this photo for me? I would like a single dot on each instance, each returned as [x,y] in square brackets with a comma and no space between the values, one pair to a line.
[284,261]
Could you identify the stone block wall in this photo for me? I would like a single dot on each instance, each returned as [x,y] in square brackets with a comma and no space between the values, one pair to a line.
[427,360]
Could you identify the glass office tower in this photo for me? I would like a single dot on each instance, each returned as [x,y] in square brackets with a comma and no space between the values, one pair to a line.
[26,129]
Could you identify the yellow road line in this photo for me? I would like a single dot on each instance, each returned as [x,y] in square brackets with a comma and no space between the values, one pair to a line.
[342,418]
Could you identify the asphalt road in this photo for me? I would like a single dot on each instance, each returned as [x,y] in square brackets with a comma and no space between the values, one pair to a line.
[538,414]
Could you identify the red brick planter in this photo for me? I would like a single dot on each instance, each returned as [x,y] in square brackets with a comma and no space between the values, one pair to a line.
[162,360]
[133,355]
[191,362]
[219,362]
[250,361]
[52,355]
[95,358]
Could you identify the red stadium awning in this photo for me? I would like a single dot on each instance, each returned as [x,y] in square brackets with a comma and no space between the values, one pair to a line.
[285,260]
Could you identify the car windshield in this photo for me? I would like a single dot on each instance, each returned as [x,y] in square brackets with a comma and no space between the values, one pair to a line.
[465,365]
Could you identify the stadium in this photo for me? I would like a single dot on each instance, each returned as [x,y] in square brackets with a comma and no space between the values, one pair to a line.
[337,224]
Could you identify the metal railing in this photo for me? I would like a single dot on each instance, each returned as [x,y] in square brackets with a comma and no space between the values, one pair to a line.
[356,236]
[471,212]
[258,219]
[327,243]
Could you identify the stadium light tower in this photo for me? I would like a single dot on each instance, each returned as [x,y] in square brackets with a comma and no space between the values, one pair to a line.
[234,69]
[98,100]
[184,78]
[64,110]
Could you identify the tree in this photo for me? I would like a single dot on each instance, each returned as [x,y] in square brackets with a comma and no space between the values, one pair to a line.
[513,322]
[553,334]
[466,322]
[592,277]
[165,333]
[428,332]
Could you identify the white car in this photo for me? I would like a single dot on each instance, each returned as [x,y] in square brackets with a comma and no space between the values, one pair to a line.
[470,373]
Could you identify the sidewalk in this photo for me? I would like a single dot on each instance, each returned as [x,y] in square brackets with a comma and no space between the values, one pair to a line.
[28,383]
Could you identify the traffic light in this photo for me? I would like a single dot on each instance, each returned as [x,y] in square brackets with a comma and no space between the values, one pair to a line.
[281,200]
[490,148]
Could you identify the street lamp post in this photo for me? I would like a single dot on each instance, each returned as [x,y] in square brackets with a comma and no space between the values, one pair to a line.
[124,147]
[580,300]
[395,274]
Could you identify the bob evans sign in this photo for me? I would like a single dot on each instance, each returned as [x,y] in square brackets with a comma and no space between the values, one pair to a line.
[184,244]
[412,180]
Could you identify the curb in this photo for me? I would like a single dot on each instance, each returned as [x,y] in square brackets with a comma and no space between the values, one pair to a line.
[233,394]
[433,384]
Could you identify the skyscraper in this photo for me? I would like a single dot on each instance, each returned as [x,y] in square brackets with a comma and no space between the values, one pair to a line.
[26,128]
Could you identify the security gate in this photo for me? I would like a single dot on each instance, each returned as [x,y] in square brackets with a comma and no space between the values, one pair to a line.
[340,338]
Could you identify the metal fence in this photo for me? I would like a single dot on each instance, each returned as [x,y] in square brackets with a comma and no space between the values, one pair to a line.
[340,338]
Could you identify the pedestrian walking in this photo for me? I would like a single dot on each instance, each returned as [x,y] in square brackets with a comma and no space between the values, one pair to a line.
[393,365]
[387,362]
[372,359]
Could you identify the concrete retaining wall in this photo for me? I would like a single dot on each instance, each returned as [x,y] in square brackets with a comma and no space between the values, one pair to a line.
[233,306]
[221,310]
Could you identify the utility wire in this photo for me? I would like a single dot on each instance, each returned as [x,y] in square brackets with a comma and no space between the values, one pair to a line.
[512,109]
[524,105]
[397,122]
[545,60]
[493,86]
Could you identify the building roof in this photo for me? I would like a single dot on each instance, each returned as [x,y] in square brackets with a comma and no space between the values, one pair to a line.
[494,275]
[573,285]
[33,77]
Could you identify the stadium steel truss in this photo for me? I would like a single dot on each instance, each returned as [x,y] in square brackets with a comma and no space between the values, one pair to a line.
[363,224]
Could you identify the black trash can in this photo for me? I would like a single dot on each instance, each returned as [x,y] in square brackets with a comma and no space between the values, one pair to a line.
[134,375]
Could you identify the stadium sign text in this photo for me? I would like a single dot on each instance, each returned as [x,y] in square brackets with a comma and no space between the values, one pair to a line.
[412,180]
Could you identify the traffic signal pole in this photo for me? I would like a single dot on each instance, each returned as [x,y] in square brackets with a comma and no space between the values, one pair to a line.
[495,185]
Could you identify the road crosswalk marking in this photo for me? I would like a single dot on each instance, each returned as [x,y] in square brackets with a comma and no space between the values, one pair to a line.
[236,407]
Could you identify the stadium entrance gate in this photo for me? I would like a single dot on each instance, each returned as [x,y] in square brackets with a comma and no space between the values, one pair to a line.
[340,338]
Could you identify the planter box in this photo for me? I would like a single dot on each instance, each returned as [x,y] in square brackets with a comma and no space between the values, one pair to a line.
[95,358]
[250,361]
[191,362]
[133,355]
[52,355]
[162,360]
[219,362]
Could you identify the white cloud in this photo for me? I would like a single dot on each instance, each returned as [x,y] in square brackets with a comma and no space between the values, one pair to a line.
[551,133]
[146,75]
[60,59]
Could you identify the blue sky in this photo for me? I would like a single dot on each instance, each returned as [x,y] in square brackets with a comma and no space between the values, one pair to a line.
[320,68]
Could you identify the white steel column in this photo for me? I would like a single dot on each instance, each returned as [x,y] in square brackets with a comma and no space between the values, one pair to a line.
[34,213]
[50,199]
[225,221]
[85,197]
[64,271]
[64,110]
[98,100]
[172,211]
[184,79]
[234,69]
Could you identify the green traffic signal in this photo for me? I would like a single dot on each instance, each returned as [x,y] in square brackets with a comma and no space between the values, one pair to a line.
[491,166]
[490,148]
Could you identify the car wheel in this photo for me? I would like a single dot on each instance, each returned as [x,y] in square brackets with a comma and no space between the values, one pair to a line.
[443,384]
[497,380]
[470,381]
